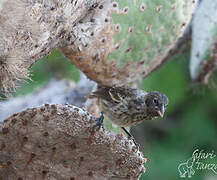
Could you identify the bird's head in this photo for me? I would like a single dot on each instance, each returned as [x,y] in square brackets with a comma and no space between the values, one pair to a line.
[156,103]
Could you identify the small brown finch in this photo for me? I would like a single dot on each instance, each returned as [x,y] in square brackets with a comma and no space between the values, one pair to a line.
[126,106]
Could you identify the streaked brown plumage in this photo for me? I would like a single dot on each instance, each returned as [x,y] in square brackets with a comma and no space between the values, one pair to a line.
[126,106]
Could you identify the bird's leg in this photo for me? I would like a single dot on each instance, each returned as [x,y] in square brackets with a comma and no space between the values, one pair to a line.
[130,137]
[99,122]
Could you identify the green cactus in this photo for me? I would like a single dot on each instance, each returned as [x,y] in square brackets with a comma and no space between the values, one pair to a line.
[155,24]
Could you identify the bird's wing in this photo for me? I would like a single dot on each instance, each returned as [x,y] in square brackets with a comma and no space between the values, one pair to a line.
[112,93]
[101,92]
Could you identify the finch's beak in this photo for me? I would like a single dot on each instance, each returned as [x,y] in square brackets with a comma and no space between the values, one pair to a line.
[161,111]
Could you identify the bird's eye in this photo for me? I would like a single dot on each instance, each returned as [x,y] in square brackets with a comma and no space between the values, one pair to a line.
[155,101]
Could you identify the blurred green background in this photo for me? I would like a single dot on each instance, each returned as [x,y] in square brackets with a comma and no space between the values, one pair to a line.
[190,121]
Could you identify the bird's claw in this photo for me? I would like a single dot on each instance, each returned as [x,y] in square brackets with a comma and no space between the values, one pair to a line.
[130,137]
[99,122]
[134,141]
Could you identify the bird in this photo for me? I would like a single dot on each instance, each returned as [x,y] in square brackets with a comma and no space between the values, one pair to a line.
[125,106]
